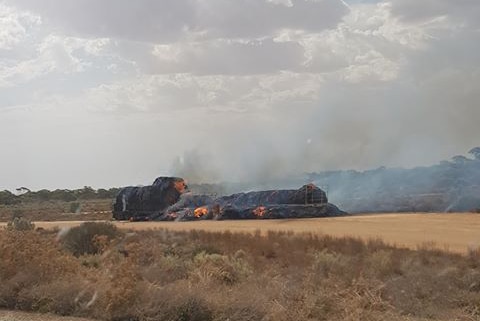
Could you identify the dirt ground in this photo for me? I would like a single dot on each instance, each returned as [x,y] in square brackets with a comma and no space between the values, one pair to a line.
[23,316]
[454,232]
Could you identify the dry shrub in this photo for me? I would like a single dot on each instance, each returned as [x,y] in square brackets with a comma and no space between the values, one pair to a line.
[89,237]
[189,309]
[241,312]
[315,301]
[249,300]
[430,286]
[343,268]
[326,263]
[221,268]
[179,302]
[157,262]
[59,297]
[34,254]
[365,295]
[121,293]
[382,264]
[165,275]
[473,255]
[169,269]
[20,224]
[31,263]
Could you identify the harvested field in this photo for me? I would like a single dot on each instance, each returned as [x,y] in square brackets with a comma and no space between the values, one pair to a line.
[456,232]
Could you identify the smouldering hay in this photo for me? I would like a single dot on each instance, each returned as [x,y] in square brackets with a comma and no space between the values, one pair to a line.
[162,275]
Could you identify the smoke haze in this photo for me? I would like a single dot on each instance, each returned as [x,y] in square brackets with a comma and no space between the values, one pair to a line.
[115,93]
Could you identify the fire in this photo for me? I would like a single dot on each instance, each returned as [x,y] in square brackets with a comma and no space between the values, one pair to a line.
[260,211]
[172,215]
[200,211]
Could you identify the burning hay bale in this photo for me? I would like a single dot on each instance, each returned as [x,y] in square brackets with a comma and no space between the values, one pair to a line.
[281,212]
[168,199]
[145,202]
[306,195]
[189,200]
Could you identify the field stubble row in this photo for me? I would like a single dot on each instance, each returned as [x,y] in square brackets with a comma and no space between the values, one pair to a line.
[456,232]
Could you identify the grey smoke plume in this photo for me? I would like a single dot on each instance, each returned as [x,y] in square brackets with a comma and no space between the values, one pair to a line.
[198,167]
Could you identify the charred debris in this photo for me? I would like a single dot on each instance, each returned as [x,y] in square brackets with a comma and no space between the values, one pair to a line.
[169,198]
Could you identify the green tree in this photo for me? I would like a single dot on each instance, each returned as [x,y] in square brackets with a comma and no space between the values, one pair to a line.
[86,193]
[8,198]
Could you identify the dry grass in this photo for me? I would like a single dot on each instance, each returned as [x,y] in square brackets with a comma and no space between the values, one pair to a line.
[456,232]
[453,232]
[199,275]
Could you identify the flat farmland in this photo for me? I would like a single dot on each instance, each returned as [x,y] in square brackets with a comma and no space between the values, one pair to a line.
[454,232]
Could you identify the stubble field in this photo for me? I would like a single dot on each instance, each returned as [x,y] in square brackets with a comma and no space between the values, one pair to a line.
[456,232]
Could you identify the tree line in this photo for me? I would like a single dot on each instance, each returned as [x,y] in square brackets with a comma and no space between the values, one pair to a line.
[452,185]
[25,195]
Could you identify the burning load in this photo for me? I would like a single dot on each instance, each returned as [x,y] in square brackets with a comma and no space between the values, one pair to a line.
[169,199]
[146,202]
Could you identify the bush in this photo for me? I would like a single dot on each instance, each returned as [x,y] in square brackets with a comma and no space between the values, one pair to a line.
[58,296]
[30,260]
[192,309]
[218,267]
[20,224]
[74,207]
[89,237]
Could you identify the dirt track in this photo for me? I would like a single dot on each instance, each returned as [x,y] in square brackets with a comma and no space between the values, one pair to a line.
[23,316]
[455,232]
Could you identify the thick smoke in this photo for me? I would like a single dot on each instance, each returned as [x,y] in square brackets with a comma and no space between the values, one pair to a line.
[409,98]
[258,93]
[198,167]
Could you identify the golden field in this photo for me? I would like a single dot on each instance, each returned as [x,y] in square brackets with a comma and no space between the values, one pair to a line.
[456,232]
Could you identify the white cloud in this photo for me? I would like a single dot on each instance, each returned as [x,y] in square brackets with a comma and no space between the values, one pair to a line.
[287,3]
[174,20]
[210,93]
[227,57]
[371,66]
[53,54]
[15,25]
[463,13]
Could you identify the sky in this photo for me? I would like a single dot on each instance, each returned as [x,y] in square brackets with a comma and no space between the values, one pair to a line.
[117,92]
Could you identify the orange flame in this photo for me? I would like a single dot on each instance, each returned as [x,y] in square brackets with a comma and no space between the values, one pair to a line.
[200,211]
[260,211]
